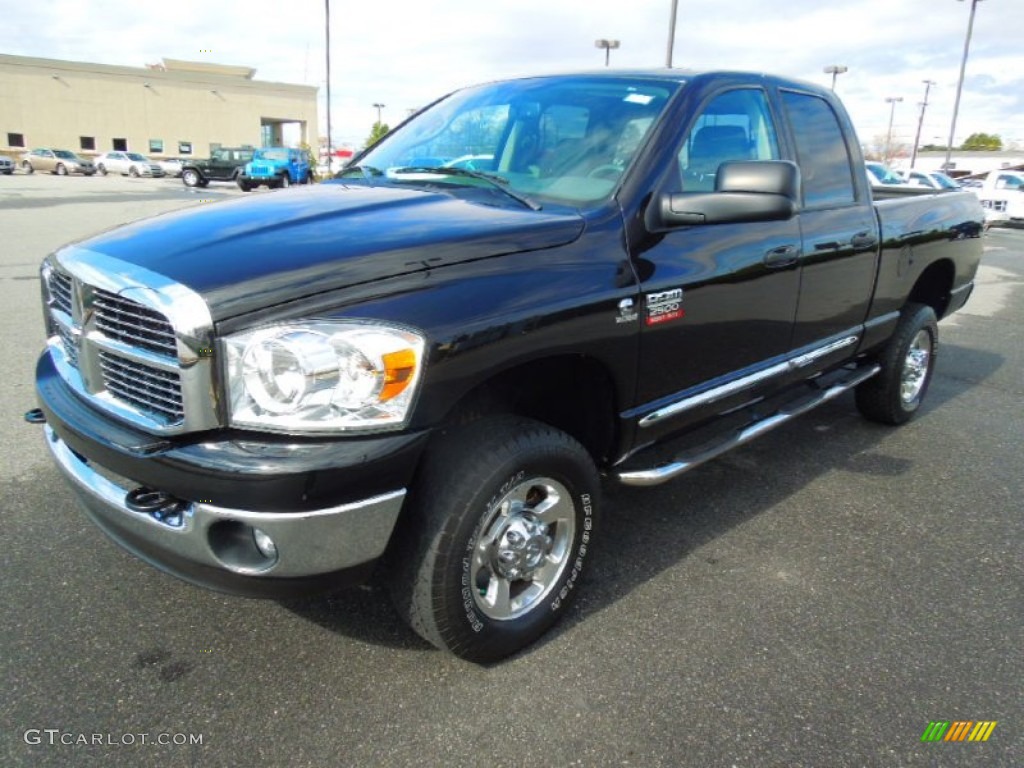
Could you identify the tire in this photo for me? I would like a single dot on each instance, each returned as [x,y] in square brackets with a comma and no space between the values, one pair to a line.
[27,167]
[243,184]
[895,394]
[102,169]
[478,571]
[61,170]
[284,182]
[133,172]
[190,177]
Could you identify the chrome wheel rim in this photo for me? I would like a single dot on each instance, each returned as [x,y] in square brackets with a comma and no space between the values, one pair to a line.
[523,548]
[915,367]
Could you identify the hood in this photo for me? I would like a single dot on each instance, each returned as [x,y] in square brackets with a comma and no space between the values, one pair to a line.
[256,252]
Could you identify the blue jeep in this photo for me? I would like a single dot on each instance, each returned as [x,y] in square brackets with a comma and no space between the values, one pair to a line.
[275,167]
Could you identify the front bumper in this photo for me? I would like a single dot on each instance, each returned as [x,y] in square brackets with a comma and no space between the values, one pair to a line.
[328,506]
[214,546]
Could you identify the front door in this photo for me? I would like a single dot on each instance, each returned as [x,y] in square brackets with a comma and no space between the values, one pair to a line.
[717,301]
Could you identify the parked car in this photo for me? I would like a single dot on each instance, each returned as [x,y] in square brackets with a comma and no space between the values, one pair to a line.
[127,164]
[275,167]
[6,165]
[880,175]
[224,164]
[432,368]
[928,179]
[59,161]
[1002,196]
[171,165]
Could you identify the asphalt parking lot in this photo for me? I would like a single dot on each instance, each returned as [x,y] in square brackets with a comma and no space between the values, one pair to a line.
[813,599]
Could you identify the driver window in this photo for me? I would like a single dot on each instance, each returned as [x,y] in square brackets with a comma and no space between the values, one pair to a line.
[735,125]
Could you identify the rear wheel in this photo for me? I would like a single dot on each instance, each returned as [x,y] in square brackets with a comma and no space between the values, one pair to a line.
[908,361]
[102,169]
[189,176]
[61,170]
[27,167]
[505,510]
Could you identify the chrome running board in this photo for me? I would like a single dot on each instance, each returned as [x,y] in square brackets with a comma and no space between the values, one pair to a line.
[685,462]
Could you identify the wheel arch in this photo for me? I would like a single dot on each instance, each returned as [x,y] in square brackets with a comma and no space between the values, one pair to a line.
[573,393]
[934,286]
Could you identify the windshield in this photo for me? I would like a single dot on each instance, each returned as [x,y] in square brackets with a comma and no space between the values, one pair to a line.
[64,154]
[944,181]
[137,157]
[567,138]
[280,155]
[883,174]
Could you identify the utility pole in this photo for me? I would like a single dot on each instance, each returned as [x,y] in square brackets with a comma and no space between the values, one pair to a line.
[893,101]
[920,122]
[960,84]
[327,27]
[671,33]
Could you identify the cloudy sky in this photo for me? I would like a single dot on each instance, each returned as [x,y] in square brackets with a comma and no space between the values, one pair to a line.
[404,54]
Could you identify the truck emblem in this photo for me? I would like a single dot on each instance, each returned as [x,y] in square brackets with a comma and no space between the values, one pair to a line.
[664,306]
[627,314]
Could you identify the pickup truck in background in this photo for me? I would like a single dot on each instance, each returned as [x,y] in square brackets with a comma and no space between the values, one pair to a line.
[1002,196]
[428,370]
[277,167]
[224,164]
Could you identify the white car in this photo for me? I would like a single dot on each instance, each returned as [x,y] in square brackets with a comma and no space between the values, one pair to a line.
[6,165]
[880,175]
[928,179]
[1002,197]
[171,166]
[127,163]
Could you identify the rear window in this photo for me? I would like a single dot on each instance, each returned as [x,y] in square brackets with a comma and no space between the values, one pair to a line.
[821,151]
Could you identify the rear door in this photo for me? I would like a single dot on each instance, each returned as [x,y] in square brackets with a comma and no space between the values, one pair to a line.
[839,230]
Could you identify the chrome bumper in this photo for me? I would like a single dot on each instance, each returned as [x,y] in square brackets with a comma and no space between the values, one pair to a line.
[307,544]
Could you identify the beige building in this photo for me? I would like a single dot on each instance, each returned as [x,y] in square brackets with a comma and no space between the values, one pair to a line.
[175,108]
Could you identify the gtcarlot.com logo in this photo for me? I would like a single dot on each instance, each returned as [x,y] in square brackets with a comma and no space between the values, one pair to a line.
[57,737]
[958,730]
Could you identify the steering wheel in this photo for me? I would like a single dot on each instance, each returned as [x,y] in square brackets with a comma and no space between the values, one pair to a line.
[607,170]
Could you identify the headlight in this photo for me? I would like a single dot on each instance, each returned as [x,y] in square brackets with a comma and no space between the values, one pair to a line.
[323,376]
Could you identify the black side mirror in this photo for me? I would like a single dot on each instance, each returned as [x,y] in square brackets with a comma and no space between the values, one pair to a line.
[757,190]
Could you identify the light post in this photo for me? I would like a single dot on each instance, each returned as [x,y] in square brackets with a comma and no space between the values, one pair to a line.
[892,101]
[960,84]
[327,29]
[671,34]
[608,46]
[920,121]
[836,70]
[379,108]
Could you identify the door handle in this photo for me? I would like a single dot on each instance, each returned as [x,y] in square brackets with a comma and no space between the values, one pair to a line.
[783,256]
[864,240]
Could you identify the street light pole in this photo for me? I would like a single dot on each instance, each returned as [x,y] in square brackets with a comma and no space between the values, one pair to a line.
[960,83]
[327,29]
[608,46]
[892,101]
[379,108]
[671,33]
[834,70]
[920,121]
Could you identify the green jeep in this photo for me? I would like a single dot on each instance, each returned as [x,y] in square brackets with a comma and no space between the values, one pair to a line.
[225,164]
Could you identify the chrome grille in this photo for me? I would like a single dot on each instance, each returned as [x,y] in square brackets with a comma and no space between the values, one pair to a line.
[129,340]
[132,323]
[145,387]
[60,290]
[67,339]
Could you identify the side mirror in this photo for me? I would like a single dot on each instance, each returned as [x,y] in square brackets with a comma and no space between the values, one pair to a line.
[758,190]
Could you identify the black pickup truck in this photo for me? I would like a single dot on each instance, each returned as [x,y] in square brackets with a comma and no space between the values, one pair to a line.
[431,363]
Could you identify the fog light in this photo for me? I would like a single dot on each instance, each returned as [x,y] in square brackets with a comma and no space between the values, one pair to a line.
[264,544]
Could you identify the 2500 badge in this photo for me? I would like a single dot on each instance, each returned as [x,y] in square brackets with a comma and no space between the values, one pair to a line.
[664,306]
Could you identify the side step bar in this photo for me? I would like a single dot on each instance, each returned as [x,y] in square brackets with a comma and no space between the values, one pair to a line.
[685,462]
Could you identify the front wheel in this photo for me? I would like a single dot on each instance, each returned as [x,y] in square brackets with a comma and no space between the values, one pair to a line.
[243,184]
[133,172]
[284,182]
[503,516]
[190,177]
[908,361]
[102,169]
[27,167]
[61,170]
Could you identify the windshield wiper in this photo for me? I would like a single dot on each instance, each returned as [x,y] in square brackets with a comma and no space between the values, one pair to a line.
[498,182]
[368,172]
